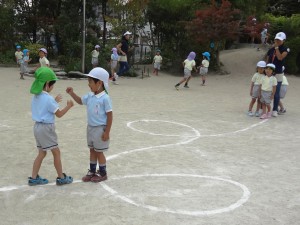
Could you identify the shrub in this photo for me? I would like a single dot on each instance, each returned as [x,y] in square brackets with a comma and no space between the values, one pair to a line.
[293,59]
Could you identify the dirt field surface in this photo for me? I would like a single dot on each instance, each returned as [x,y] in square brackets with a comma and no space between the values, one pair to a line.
[190,157]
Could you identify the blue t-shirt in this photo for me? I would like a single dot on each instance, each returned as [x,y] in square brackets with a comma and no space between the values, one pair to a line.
[273,59]
[43,108]
[97,107]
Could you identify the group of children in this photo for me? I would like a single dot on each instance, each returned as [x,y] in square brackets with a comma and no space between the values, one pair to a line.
[23,58]
[189,65]
[262,90]
[44,108]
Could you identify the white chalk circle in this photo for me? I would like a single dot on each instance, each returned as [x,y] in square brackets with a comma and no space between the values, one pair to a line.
[163,128]
[244,198]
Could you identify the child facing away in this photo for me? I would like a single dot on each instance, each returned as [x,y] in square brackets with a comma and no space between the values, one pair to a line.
[95,55]
[267,90]
[18,55]
[204,66]
[189,64]
[157,60]
[44,109]
[282,93]
[113,64]
[99,118]
[254,88]
[24,63]
[43,61]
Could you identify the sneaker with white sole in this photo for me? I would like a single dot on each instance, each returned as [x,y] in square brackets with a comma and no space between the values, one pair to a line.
[264,116]
[257,114]
[282,111]
[274,113]
[250,113]
[269,114]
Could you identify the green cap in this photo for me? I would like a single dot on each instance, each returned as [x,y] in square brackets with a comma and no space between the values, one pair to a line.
[42,75]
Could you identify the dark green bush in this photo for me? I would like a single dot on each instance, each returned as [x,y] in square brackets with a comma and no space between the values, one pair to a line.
[293,59]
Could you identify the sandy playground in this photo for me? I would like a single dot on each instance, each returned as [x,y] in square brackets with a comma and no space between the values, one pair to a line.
[189,157]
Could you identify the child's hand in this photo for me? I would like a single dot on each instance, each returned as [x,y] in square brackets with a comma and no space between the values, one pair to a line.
[69,90]
[58,98]
[70,103]
[105,136]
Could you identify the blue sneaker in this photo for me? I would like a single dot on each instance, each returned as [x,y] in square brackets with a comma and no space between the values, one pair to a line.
[65,180]
[37,181]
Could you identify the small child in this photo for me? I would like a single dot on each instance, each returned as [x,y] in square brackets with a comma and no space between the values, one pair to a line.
[44,109]
[44,62]
[254,88]
[267,90]
[95,55]
[24,63]
[18,55]
[204,66]
[99,113]
[188,64]
[113,64]
[157,60]
[282,94]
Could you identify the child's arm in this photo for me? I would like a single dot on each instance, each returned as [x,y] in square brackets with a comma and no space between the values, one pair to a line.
[59,113]
[273,92]
[76,98]
[105,135]
[251,88]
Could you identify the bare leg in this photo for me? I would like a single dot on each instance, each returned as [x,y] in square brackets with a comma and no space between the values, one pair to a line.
[253,100]
[37,163]
[57,162]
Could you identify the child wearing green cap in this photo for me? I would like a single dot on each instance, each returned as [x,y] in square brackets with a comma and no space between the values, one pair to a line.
[44,108]
[99,113]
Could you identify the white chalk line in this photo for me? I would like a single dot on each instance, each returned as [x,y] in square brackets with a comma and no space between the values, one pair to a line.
[240,202]
[244,198]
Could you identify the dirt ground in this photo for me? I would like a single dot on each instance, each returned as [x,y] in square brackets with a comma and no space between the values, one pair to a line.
[191,156]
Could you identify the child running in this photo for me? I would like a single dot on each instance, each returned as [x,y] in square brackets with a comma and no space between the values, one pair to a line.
[44,109]
[99,113]
[157,60]
[254,88]
[188,64]
[268,87]
[24,63]
[282,94]
[204,66]
[113,64]
[18,55]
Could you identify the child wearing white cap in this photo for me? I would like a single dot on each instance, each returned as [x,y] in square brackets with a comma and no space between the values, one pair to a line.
[95,55]
[99,113]
[254,88]
[267,90]
[44,62]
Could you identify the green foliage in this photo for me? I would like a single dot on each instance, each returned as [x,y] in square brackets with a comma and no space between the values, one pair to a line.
[293,59]
[7,57]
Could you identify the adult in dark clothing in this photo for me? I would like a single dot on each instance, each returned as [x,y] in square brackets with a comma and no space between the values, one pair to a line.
[123,49]
[276,55]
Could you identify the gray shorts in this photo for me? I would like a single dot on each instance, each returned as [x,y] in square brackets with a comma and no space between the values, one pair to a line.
[94,138]
[283,91]
[266,97]
[255,91]
[113,64]
[157,66]
[203,70]
[187,73]
[45,136]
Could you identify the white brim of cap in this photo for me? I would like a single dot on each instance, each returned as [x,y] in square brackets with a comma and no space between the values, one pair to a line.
[105,83]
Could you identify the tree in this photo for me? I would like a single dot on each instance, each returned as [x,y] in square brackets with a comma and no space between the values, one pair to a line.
[215,24]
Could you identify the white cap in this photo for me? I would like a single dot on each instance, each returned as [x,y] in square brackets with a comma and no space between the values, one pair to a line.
[100,74]
[261,64]
[280,36]
[271,65]
[43,50]
[127,33]
[97,46]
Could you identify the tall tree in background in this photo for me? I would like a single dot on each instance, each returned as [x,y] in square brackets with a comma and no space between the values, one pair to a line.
[215,24]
